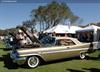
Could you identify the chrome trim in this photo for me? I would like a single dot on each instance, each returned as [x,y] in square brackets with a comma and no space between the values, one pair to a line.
[68,50]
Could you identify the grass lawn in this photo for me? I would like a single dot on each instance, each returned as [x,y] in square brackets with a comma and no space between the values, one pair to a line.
[2,44]
[68,65]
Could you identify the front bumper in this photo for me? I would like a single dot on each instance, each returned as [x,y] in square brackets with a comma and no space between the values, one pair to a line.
[16,59]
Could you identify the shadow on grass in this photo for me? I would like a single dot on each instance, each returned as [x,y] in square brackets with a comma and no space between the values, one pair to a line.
[92,69]
[92,58]
[1,58]
[74,70]
[5,49]
[8,62]
[1,48]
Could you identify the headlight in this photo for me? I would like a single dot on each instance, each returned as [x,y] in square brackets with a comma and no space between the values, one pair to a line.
[14,54]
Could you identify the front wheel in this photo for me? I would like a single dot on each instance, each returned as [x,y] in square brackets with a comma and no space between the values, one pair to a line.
[33,61]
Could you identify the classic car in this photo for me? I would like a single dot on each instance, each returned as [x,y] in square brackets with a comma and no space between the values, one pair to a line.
[56,48]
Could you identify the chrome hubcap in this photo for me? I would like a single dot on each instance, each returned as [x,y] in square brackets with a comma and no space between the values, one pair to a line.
[82,56]
[33,62]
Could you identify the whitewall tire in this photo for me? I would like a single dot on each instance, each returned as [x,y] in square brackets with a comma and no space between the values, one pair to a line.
[33,61]
[82,55]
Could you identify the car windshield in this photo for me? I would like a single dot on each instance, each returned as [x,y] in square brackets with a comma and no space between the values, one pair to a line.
[48,41]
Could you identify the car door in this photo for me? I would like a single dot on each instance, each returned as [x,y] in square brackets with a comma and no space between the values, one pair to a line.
[63,49]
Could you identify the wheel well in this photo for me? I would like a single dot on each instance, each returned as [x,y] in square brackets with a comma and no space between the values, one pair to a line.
[82,52]
[41,59]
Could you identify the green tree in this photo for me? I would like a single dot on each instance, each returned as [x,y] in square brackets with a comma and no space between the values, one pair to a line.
[30,24]
[39,15]
[53,14]
[7,31]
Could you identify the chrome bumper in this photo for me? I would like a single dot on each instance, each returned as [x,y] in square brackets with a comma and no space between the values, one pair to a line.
[18,60]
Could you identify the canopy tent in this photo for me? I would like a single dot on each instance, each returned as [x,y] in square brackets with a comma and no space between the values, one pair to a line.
[63,29]
[89,28]
[92,28]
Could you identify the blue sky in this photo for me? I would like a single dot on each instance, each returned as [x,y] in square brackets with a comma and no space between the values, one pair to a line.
[13,14]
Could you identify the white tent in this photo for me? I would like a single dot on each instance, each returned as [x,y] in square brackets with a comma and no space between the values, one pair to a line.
[63,29]
[91,27]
